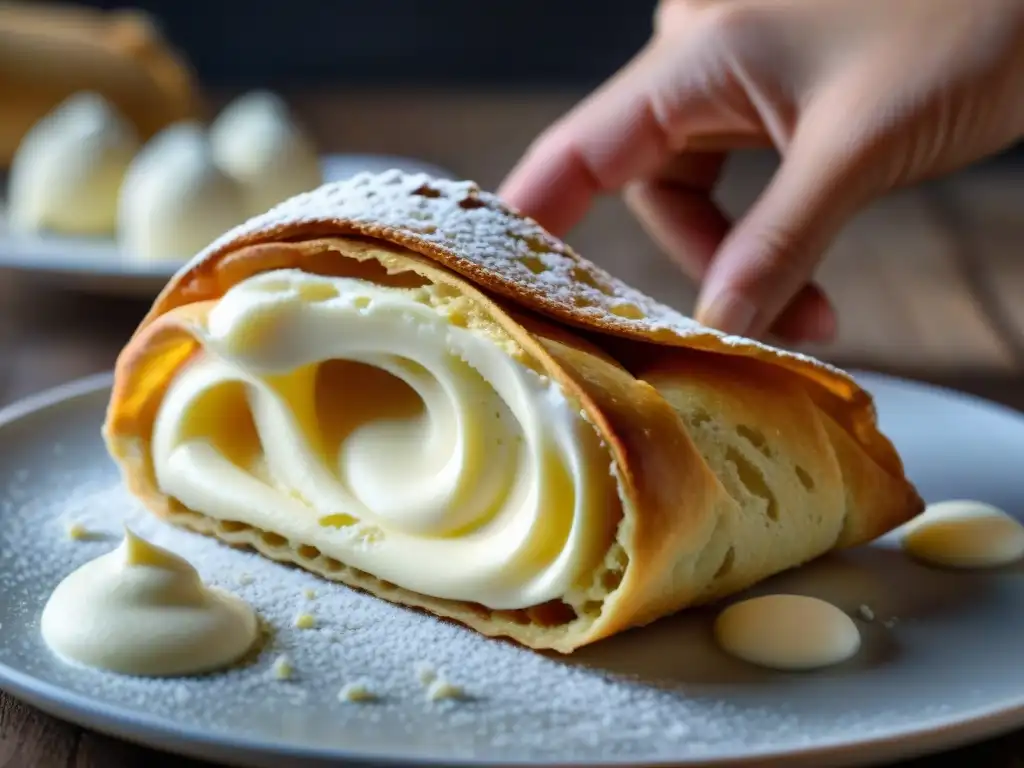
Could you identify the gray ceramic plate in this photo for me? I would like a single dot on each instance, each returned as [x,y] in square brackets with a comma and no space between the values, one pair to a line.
[940,663]
[97,266]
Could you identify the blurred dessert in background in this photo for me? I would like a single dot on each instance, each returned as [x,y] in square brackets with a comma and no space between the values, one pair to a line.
[49,52]
[101,129]
[258,141]
[82,171]
[68,169]
[175,200]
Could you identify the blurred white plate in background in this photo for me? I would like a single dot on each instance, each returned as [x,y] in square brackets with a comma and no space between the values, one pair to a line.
[96,265]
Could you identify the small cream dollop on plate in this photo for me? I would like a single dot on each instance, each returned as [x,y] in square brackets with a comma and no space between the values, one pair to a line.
[257,141]
[142,610]
[787,632]
[175,200]
[68,169]
[964,534]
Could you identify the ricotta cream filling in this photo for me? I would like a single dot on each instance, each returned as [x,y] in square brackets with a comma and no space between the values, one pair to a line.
[362,420]
[142,610]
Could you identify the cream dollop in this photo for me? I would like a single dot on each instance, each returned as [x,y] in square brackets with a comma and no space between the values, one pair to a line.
[787,632]
[258,142]
[175,200]
[362,419]
[142,610]
[964,534]
[68,169]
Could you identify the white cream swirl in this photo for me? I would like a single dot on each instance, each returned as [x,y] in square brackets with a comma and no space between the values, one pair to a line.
[360,419]
[142,610]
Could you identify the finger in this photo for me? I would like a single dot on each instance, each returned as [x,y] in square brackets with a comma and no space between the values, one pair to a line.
[809,317]
[675,93]
[681,218]
[677,212]
[774,249]
[607,140]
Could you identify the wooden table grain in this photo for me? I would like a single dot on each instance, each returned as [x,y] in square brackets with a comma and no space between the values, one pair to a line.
[929,284]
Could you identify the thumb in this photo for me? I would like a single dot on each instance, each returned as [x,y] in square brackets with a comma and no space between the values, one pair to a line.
[772,252]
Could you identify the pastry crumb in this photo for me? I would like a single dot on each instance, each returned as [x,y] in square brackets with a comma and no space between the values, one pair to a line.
[77,532]
[890,623]
[442,689]
[282,668]
[356,691]
[866,613]
[309,594]
[426,672]
[305,621]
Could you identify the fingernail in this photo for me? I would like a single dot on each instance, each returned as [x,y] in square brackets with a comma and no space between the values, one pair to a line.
[727,311]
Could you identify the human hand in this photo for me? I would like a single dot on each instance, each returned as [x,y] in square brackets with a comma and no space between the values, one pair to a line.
[858,96]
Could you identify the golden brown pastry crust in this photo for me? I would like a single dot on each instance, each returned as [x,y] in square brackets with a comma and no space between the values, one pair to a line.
[692,528]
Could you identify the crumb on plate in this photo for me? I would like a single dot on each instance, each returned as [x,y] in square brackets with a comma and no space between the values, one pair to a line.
[77,531]
[356,691]
[426,672]
[442,689]
[282,668]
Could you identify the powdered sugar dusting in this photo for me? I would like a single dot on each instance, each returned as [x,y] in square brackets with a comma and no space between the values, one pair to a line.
[478,229]
[517,704]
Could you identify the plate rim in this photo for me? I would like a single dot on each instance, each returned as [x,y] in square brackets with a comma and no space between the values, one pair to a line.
[936,734]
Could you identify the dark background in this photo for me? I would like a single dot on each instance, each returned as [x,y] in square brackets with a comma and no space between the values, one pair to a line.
[501,44]
[518,43]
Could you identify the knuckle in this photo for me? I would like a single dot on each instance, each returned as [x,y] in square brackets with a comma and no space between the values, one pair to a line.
[778,246]
[667,14]
[731,24]
[672,15]
[780,256]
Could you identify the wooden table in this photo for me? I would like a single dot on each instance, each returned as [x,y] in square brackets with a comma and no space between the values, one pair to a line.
[929,284]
